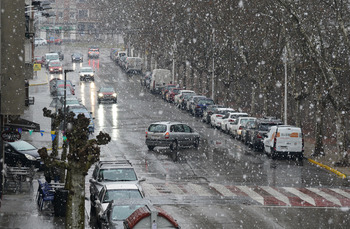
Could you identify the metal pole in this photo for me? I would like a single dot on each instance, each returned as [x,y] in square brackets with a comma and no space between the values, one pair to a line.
[64,99]
[213,72]
[285,85]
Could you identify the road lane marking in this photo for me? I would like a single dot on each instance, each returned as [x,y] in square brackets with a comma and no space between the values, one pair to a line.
[326,196]
[301,195]
[341,192]
[201,191]
[276,194]
[222,189]
[252,194]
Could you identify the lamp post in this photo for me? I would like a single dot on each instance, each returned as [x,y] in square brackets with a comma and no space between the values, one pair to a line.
[285,85]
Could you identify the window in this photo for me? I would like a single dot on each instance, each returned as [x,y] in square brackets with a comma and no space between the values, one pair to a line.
[187,129]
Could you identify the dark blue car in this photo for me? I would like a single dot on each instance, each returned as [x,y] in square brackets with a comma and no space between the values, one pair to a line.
[201,106]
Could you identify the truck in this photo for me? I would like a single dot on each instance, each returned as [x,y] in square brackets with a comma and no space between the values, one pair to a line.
[133,65]
[160,78]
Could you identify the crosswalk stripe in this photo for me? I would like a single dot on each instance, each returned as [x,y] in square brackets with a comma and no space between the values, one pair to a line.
[222,189]
[276,194]
[201,191]
[252,194]
[150,189]
[341,192]
[175,189]
[326,196]
[301,195]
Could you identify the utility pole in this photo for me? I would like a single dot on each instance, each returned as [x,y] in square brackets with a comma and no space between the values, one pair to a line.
[213,71]
[285,85]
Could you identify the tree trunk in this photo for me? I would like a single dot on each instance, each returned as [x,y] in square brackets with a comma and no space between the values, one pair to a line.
[75,215]
[253,102]
[341,138]
[319,149]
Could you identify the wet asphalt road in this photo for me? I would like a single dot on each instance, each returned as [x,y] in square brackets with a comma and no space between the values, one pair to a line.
[223,184]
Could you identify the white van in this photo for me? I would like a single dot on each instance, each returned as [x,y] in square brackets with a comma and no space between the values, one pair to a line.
[133,65]
[286,141]
[119,55]
[160,78]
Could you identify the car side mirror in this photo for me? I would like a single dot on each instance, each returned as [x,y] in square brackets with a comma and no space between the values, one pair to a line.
[92,180]
[142,179]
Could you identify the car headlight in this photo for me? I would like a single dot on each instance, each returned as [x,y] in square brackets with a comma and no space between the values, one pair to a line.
[60,69]
[92,74]
[100,95]
[114,94]
[29,157]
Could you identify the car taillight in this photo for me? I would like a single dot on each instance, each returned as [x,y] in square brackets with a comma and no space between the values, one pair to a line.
[258,135]
[198,106]
[274,143]
[166,135]
[146,134]
[240,128]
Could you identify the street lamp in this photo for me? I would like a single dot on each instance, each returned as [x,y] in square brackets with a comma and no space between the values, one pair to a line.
[64,98]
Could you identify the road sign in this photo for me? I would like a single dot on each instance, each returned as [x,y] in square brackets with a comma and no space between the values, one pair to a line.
[37,67]
[10,135]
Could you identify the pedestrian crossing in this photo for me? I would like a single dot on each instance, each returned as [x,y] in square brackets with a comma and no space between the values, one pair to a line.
[261,195]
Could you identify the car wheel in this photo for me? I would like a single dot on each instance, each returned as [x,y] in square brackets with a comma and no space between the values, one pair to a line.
[174,145]
[196,143]
[150,147]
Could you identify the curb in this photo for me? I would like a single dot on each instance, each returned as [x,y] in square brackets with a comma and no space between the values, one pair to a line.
[342,175]
[41,83]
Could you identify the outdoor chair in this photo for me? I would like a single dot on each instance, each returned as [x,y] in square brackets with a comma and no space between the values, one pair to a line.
[45,194]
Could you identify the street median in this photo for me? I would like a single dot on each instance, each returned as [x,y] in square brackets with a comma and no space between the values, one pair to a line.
[342,175]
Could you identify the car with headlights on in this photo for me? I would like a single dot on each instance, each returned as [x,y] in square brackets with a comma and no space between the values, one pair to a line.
[106,94]
[86,73]
[171,134]
[55,67]
[77,57]
[22,153]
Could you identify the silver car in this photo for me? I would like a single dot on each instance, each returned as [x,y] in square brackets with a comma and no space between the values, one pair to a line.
[171,134]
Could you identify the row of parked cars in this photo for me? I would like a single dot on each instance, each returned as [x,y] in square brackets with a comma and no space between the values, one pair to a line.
[127,63]
[117,197]
[267,134]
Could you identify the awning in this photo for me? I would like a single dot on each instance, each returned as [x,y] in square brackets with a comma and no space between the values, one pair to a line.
[24,124]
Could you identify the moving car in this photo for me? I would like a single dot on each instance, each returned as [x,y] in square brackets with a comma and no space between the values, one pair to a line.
[171,134]
[53,40]
[118,171]
[77,57]
[94,52]
[86,73]
[284,141]
[106,94]
[50,56]
[55,67]
[22,153]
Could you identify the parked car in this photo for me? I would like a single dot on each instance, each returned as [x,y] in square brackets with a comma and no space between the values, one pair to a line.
[166,89]
[201,105]
[120,54]
[94,52]
[170,95]
[146,79]
[38,41]
[284,141]
[114,191]
[71,101]
[118,171]
[77,57]
[216,119]
[22,153]
[86,73]
[236,127]
[118,211]
[39,60]
[178,98]
[257,132]
[171,134]
[55,67]
[53,40]
[133,65]
[192,101]
[184,100]
[86,113]
[160,78]
[229,119]
[106,94]
[55,82]
[209,111]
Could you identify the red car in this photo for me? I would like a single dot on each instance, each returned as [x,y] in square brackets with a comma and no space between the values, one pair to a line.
[68,87]
[39,60]
[55,67]
[56,41]
[171,94]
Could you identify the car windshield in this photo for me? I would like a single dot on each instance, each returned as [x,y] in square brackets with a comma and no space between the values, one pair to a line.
[86,70]
[52,56]
[121,194]
[119,174]
[22,146]
[158,128]
[55,64]
[106,89]
[120,213]
[206,102]
[266,126]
